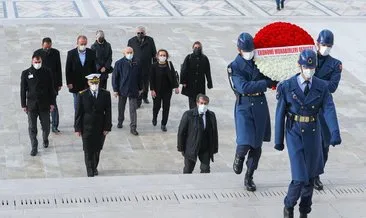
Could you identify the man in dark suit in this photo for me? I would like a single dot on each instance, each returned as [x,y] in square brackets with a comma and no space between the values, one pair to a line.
[198,136]
[80,62]
[37,99]
[51,60]
[93,121]
[145,51]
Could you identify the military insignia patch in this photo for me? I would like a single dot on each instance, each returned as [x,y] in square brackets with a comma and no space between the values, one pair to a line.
[310,61]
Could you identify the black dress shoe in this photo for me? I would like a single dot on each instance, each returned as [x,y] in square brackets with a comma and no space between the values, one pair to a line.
[146,101]
[34,152]
[282,4]
[278,8]
[163,128]
[154,122]
[46,143]
[119,125]
[134,132]
[248,181]
[303,215]
[54,129]
[238,164]
[318,185]
[288,212]
[95,172]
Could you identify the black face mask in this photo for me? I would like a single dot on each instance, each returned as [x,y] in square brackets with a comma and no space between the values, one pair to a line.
[101,40]
[197,51]
[140,36]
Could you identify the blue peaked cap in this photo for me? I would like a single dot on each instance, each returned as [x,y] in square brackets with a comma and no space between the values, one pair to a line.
[245,42]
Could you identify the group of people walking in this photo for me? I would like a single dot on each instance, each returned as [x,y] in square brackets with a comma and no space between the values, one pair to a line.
[305,113]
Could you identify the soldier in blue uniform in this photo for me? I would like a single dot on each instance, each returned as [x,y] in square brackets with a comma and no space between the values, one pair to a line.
[252,119]
[301,99]
[328,69]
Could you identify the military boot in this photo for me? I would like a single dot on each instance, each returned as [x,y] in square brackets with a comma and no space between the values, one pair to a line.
[288,212]
[282,4]
[238,164]
[303,215]
[248,181]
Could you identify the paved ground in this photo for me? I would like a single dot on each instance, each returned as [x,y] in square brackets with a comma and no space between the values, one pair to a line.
[175,25]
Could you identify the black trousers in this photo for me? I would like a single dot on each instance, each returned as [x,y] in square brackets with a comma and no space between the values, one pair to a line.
[91,161]
[254,154]
[44,117]
[164,99]
[204,157]
[192,102]
[145,81]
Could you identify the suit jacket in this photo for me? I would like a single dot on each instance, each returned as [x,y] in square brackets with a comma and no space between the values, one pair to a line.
[92,117]
[52,60]
[36,89]
[75,72]
[190,134]
[156,74]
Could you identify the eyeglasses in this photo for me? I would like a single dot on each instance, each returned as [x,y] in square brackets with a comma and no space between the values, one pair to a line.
[140,33]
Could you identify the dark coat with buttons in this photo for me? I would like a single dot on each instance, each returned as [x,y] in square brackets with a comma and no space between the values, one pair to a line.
[252,119]
[144,51]
[194,73]
[329,70]
[304,139]
[92,117]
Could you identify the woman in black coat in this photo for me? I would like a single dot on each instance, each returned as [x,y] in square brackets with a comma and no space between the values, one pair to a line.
[195,68]
[162,80]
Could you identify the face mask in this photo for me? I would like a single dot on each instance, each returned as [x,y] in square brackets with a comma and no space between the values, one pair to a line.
[324,50]
[101,40]
[247,55]
[197,51]
[162,59]
[140,36]
[94,87]
[308,73]
[37,66]
[202,108]
[82,48]
[129,56]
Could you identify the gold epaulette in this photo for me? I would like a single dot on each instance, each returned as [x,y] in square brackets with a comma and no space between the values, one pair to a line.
[81,92]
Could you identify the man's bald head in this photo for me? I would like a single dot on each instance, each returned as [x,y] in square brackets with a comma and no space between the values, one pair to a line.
[128,50]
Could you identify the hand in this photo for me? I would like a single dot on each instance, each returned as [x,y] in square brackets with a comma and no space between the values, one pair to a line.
[182,153]
[153,93]
[105,132]
[271,83]
[70,86]
[176,90]
[335,139]
[102,69]
[116,94]
[25,109]
[52,108]
[141,91]
[279,147]
[59,88]
[184,85]
[78,134]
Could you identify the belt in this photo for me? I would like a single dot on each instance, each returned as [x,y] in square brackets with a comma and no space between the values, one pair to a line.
[301,119]
[253,94]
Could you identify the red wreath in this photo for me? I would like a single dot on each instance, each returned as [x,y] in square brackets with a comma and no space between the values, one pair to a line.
[281,34]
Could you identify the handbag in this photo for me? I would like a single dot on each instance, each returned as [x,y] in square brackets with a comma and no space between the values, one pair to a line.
[176,72]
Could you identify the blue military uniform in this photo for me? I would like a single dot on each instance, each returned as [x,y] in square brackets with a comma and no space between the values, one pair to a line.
[297,120]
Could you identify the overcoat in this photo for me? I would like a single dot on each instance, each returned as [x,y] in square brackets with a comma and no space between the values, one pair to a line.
[92,117]
[329,69]
[252,121]
[304,139]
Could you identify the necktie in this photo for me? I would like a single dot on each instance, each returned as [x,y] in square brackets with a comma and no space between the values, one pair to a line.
[95,94]
[307,88]
[202,125]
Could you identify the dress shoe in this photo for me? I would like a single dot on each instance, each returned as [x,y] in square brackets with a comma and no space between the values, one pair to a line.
[154,122]
[248,181]
[278,8]
[46,143]
[119,125]
[95,172]
[134,132]
[238,164]
[282,4]
[288,212]
[34,152]
[163,128]
[146,101]
[318,185]
[303,215]
[54,129]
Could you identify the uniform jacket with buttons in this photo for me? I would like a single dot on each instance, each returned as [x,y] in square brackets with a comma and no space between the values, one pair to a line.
[252,119]
[194,73]
[329,70]
[304,139]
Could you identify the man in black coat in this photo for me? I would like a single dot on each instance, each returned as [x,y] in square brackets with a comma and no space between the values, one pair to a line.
[103,51]
[80,62]
[198,136]
[51,59]
[37,97]
[195,68]
[145,51]
[93,121]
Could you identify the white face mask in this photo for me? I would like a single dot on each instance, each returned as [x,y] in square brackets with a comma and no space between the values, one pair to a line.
[129,56]
[82,48]
[94,87]
[308,73]
[247,55]
[162,58]
[202,108]
[324,50]
[37,66]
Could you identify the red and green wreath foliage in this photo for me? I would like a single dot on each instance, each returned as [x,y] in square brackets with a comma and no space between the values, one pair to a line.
[281,34]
